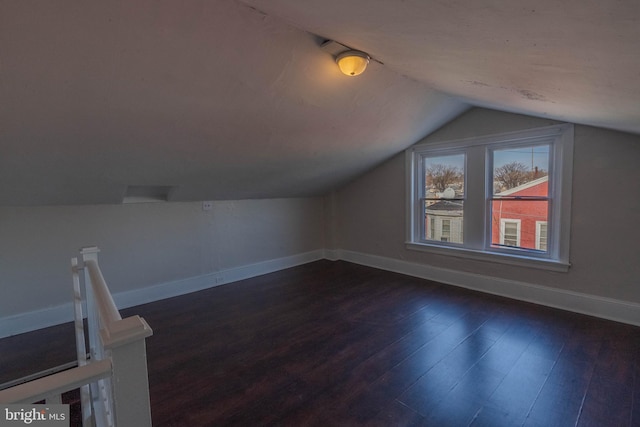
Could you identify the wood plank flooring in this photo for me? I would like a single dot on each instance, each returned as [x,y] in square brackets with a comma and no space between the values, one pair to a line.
[337,344]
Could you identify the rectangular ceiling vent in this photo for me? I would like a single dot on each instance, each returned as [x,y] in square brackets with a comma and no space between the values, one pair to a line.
[146,193]
[333,47]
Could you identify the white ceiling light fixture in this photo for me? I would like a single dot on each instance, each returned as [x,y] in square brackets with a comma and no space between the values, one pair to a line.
[352,62]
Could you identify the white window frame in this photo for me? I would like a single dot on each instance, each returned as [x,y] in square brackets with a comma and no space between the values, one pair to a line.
[478,192]
[419,227]
[503,223]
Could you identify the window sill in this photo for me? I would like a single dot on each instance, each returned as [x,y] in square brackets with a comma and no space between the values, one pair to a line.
[522,261]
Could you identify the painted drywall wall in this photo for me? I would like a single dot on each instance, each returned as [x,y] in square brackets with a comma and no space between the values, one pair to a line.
[370,212]
[143,245]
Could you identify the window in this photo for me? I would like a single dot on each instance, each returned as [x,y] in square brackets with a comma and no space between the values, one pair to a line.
[510,232]
[520,198]
[446,230]
[503,197]
[432,228]
[541,235]
[443,196]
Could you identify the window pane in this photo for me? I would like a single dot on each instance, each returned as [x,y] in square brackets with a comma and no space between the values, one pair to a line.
[519,173]
[444,221]
[509,235]
[516,223]
[541,235]
[518,169]
[443,173]
[444,191]
[446,230]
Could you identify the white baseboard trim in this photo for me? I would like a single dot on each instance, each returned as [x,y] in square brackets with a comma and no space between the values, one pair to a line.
[30,321]
[332,254]
[218,278]
[25,322]
[606,308]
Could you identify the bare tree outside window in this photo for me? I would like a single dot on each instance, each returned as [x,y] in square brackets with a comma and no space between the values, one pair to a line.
[440,176]
[512,175]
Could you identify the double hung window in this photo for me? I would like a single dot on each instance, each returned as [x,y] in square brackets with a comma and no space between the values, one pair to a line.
[502,197]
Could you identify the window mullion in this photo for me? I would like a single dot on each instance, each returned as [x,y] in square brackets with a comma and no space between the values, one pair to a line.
[474,205]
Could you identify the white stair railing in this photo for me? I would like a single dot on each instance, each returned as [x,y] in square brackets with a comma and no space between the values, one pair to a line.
[81,345]
[113,382]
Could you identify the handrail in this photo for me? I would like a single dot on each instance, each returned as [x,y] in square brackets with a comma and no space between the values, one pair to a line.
[114,381]
[122,399]
[61,382]
[108,311]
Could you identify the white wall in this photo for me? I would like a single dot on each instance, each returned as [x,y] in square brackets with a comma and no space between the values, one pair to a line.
[146,245]
[370,218]
[152,251]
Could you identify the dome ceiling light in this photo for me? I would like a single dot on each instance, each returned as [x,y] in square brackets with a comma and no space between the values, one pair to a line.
[351,62]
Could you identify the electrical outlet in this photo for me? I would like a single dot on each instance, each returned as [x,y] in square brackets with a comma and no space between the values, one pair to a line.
[207,206]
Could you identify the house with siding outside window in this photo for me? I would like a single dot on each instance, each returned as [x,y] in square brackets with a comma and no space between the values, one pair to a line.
[518,220]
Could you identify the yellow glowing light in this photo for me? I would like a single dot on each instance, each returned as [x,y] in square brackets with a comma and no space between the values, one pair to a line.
[352,62]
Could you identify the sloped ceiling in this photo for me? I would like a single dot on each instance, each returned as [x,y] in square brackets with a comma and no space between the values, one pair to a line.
[572,60]
[231,100]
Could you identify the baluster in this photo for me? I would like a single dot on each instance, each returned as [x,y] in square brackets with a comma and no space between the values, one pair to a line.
[81,347]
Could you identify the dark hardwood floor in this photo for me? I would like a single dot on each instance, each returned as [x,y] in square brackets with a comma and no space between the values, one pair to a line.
[337,344]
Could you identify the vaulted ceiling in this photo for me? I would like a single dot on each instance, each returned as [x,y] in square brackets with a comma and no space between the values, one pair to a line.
[228,100]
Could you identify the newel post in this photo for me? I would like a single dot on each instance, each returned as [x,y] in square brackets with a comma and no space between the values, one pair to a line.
[125,340]
[122,341]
